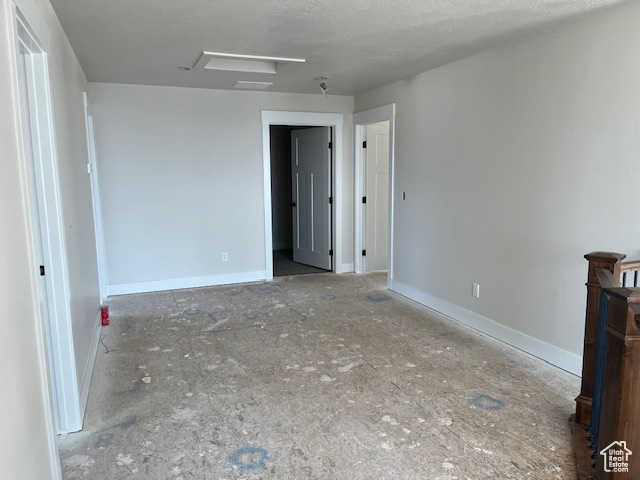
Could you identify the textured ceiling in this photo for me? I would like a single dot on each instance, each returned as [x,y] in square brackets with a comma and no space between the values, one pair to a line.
[357,44]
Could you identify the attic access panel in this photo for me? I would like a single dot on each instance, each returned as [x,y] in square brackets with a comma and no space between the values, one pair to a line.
[231,62]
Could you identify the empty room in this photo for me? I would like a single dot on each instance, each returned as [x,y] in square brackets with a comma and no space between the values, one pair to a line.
[319,240]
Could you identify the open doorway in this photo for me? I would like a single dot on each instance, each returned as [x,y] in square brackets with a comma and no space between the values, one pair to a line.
[334,205]
[374,189]
[301,199]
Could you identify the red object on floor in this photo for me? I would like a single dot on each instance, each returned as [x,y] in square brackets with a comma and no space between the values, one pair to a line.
[105,315]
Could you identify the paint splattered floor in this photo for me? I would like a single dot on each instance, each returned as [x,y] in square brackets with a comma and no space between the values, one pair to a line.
[313,377]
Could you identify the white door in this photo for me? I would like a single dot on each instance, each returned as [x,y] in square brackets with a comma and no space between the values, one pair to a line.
[311,189]
[377,197]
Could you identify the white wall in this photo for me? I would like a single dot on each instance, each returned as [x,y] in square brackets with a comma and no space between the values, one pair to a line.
[181,180]
[515,163]
[67,84]
[26,432]
[24,406]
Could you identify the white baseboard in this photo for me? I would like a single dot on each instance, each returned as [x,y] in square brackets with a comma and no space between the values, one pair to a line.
[88,369]
[563,359]
[346,268]
[188,282]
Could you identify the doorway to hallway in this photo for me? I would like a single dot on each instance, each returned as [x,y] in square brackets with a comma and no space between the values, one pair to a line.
[305,119]
[374,189]
[301,198]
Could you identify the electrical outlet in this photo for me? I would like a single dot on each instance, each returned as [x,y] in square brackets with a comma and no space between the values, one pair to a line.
[225,256]
[476,290]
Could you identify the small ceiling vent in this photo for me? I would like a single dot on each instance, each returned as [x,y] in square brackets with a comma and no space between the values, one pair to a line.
[242,85]
[232,62]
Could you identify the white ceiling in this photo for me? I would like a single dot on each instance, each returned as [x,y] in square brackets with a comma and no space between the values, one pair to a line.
[357,44]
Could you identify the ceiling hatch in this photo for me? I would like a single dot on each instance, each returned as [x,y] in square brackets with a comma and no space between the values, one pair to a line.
[244,85]
[232,62]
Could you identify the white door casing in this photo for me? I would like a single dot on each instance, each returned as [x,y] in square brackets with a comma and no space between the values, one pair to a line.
[361,120]
[311,189]
[334,120]
[34,210]
[376,208]
[46,228]
[92,168]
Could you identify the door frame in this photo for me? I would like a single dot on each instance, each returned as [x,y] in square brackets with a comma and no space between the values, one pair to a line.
[60,382]
[92,168]
[360,121]
[306,119]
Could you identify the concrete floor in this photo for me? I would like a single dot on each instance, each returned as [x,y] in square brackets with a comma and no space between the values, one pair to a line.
[313,377]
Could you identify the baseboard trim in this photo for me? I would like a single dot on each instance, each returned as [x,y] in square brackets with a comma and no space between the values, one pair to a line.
[88,371]
[187,282]
[563,359]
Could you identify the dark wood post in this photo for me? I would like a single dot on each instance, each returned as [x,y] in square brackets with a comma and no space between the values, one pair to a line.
[609,261]
[620,413]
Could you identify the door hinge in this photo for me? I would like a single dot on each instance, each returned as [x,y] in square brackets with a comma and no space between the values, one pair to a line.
[364,253]
[331,253]
[42,270]
[364,144]
[330,200]
[364,199]
[330,144]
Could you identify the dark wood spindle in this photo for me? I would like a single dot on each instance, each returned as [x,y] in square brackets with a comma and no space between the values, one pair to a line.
[628,268]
